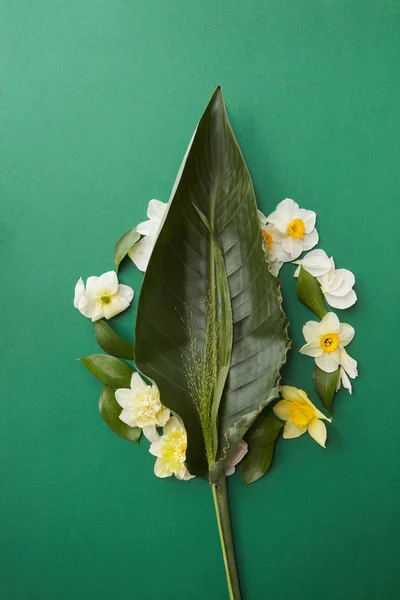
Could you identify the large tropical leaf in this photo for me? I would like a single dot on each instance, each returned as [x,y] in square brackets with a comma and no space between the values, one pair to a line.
[208,281]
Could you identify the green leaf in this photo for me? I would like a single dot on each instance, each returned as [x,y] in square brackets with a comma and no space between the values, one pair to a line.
[325,384]
[110,411]
[111,342]
[261,439]
[309,292]
[123,246]
[211,234]
[109,370]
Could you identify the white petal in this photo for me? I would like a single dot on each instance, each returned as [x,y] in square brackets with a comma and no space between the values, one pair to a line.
[162,468]
[141,251]
[317,430]
[183,474]
[106,284]
[137,382]
[173,423]
[315,262]
[343,379]
[346,334]
[348,281]
[90,283]
[348,363]
[341,302]
[150,433]
[311,331]
[156,448]
[312,349]
[297,248]
[163,416]
[148,228]
[156,210]
[91,307]
[290,393]
[310,240]
[126,417]
[115,307]
[79,291]
[291,431]
[124,397]
[275,267]
[329,324]
[308,217]
[126,292]
[283,215]
[327,362]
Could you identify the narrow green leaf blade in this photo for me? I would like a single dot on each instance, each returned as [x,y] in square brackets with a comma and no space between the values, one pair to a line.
[176,285]
[110,411]
[325,384]
[109,370]
[309,292]
[261,439]
[111,342]
[123,246]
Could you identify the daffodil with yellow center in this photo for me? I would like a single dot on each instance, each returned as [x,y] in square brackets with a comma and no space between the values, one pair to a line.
[300,415]
[170,451]
[296,227]
[142,407]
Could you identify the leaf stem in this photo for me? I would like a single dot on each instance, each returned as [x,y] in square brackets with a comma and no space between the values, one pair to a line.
[221,504]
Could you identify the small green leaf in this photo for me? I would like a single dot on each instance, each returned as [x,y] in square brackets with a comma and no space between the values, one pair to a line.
[111,342]
[325,384]
[109,370]
[123,246]
[261,439]
[110,411]
[309,292]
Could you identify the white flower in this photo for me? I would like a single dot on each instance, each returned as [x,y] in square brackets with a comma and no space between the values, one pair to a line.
[142,407]
[241,451]
[296,225]
[325,343]
[336,284]
[102,297]
[170,450]
[273,242]
[141,251]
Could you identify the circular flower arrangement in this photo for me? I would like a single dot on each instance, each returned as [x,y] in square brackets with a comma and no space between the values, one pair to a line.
[211,334]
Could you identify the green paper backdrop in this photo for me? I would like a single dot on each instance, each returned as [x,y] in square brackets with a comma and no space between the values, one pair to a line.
[98,102]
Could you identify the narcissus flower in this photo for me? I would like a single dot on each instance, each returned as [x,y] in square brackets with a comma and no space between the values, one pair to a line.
[170,450]
[300,415]
[273,244]
[142,407]
[296,225]
[336,284]
[240,452]
[103,296]
[325,343]
[141,251]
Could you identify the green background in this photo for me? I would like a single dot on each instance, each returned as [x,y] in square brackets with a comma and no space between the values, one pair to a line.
[98,101]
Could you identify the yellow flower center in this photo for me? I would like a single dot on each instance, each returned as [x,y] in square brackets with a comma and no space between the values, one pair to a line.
[296,229]
[105,299]
[329,342]
[149,406]
[301,414]
[174,447]
[267,238]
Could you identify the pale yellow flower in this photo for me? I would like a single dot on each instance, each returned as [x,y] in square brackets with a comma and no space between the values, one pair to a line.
[142,407]
[300,415]
[170,450]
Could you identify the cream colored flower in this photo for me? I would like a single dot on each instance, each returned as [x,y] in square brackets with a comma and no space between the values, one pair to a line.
[102,297]
[336,284]
[300,415]
[240,452]
[273,243]
[296,225]
[142,407]
[141,251]
[170,450]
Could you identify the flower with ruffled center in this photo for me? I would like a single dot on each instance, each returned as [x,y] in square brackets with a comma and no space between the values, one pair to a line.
[142,407]
[296,227]
[300,415]
[170,451]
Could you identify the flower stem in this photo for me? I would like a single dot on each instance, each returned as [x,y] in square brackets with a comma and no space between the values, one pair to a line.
[220,496]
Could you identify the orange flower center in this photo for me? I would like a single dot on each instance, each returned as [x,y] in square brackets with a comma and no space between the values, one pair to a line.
[301,414]
[296,229]
[329,342]
[267,238]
